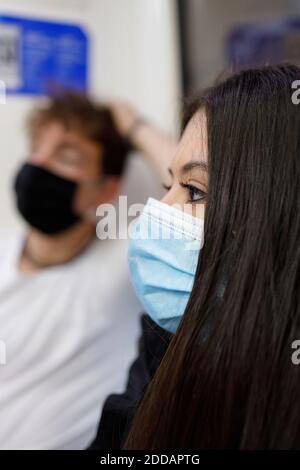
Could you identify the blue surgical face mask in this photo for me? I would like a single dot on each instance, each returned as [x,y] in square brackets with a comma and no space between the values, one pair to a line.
[163,256]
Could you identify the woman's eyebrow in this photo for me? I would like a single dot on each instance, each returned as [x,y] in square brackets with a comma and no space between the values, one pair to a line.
[194,165]
[191,166]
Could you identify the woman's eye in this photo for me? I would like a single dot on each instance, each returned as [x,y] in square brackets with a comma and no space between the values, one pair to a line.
[166,187]
[195,194]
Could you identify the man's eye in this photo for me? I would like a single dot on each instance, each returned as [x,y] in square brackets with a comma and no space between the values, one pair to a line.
[69,157]
[195,194]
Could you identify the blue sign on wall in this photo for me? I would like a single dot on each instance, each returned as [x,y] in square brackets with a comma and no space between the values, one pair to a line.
[38,55]
[255,45]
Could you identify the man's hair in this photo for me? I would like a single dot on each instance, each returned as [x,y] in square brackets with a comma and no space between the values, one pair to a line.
[76,112]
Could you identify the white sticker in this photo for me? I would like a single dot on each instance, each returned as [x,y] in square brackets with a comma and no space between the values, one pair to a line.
[10,57]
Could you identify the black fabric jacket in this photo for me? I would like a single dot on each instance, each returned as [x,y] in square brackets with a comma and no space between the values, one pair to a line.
[119,410]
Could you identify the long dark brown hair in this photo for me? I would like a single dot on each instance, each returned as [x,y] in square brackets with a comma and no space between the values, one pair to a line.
[235,386]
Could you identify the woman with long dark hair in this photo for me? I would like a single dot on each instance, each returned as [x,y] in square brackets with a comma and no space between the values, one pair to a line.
[227,379]
[235,386]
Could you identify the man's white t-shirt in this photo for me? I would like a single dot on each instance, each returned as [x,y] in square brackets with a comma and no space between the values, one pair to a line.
[68,335]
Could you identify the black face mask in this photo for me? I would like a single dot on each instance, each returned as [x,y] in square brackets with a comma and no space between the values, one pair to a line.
[45,200]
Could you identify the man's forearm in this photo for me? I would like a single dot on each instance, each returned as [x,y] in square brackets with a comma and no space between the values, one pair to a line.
[157,146]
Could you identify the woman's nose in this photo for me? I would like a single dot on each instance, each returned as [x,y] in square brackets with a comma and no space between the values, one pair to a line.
[168,199]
